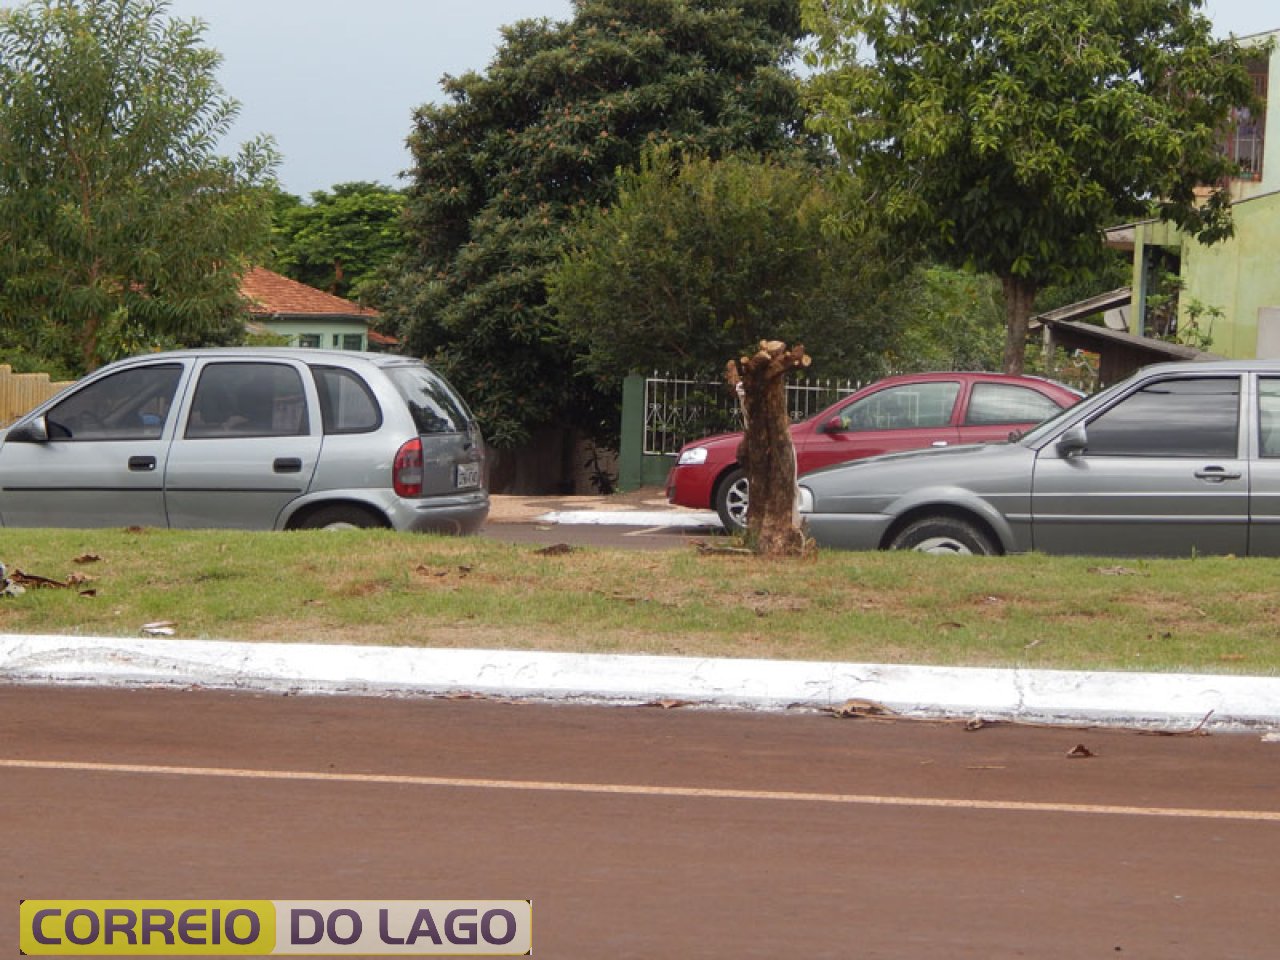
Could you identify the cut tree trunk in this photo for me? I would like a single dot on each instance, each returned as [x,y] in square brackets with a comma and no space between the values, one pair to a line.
[766,451]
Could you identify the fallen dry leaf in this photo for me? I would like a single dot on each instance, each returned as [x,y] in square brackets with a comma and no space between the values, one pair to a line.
[31,580]
[1080,752]
[86,558]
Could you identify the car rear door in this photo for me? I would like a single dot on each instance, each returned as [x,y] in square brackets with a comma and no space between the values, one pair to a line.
[1162,474]
[902,416]
[248,446]
[104,460]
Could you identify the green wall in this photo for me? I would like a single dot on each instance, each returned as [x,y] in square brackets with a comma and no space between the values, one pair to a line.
[1240,276]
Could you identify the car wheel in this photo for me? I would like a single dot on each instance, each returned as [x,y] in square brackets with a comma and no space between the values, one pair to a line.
[731,501]
[944,535]
[340,517]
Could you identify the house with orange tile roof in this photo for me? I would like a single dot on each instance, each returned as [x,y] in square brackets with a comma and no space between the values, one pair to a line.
[307,316]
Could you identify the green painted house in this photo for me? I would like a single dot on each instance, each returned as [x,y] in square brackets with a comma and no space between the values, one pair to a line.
[1241,276]
[307,316]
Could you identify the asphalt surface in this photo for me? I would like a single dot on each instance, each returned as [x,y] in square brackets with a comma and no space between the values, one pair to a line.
[643,832]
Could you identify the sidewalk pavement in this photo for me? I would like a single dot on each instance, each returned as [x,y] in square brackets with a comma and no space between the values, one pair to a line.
[646,507]
[1172,701]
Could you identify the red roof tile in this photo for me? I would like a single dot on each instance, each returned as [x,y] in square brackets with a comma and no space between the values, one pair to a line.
[273,295]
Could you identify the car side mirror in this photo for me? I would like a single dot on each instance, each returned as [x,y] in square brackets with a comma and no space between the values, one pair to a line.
[1073,442]
[35,430]
[834,425]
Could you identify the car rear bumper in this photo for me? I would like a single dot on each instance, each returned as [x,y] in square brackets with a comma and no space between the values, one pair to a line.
[462,513]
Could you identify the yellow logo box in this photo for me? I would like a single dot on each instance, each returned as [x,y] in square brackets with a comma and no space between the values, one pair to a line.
[140,928]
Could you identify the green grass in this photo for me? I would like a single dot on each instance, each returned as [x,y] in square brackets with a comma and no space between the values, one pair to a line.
[374,587]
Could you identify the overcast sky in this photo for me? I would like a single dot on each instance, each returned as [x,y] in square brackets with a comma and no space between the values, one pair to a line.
[335,82]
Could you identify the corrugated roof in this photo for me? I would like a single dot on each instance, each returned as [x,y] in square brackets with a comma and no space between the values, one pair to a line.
[273,295]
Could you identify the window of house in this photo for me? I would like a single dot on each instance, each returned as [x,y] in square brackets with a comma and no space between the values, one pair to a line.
[1248,130]
[309,340]
[352,341]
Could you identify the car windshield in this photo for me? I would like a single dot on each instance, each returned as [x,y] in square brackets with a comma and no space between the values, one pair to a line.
[1046,428]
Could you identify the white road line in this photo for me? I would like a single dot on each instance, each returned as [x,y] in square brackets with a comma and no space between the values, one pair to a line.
[640,790]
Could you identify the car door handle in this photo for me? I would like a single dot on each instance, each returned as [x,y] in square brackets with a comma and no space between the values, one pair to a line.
[1216,474]
[142,464]
[287,465]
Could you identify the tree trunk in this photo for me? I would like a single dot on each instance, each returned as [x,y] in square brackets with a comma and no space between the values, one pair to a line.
[773,522]
[1019,295]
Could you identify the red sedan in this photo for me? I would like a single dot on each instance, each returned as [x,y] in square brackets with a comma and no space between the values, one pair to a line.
[899,413]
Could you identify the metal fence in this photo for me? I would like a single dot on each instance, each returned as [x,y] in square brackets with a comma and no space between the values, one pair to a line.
[677,410]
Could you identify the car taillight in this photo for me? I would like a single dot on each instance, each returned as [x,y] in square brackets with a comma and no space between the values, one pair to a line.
[406,474]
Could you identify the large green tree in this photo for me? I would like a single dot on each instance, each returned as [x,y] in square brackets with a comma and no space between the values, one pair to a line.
[695,263]
[1005,134]
[503,165]
[121,226]
[340,239]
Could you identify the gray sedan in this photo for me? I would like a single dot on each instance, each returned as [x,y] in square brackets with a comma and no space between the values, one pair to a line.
[1179,459]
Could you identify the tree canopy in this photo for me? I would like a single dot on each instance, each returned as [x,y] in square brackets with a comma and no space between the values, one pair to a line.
[120,224]
[501,168]
[340,239]
[1006,134]
[697,262]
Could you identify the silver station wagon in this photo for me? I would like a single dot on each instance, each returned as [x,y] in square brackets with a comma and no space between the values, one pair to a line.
[1179,459]
[249,438]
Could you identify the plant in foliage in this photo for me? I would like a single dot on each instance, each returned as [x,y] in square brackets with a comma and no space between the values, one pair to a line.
[341,239]
[121,226]
[1006,134]
[700,260]
[502,168]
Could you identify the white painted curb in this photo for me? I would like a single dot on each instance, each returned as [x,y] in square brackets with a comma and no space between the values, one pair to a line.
[1040,695]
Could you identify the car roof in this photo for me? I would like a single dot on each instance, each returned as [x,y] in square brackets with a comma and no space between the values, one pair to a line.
[304,354]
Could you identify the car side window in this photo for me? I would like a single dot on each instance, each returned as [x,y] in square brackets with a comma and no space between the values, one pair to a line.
[905,407]
[347,404]
[130,405]
[248,400]
[1269,416]
[1001,403]
[1171,418]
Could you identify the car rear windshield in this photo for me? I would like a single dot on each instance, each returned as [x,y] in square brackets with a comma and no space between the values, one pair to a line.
[432,402]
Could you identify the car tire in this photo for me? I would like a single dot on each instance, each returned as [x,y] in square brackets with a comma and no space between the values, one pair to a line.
[944,535]
[342,517]
[731,501]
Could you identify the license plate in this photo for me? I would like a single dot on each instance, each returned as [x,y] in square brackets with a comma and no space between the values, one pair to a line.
[467,475]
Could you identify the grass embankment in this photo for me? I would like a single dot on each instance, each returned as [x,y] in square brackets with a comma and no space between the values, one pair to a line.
[1213,614]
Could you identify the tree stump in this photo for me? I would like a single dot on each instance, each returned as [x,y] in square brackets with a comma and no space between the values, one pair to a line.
[766,451]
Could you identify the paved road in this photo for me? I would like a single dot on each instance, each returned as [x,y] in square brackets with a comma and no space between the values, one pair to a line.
[643,832]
